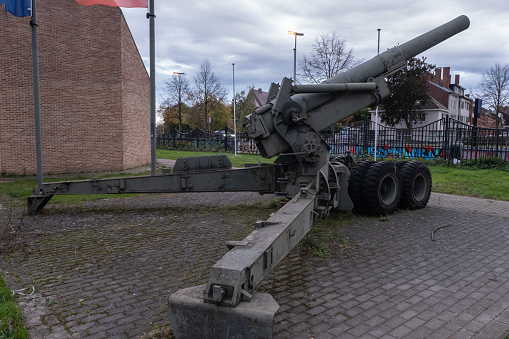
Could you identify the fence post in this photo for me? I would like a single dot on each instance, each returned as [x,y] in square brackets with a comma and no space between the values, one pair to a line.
[497,143]
[505,138]
[226,139]
[367,122]
[473,137]
[476,145]
[446,140]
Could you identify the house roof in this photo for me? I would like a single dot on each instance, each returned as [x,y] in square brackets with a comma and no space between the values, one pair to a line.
[441,87]
[434,104]
[260,97]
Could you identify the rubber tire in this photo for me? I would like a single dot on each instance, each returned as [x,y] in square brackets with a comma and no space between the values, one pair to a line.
[382,189]
[399,164]
[416,180]
[355,184]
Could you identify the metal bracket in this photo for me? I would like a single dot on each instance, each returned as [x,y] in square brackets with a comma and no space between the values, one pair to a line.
[231,244]
[263,223]
[36,202]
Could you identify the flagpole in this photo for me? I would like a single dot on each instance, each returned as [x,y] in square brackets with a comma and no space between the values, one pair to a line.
[151,17]
[37,103]
[234,118]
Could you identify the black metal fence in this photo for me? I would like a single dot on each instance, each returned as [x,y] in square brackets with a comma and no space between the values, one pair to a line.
[222,140]
[447,139]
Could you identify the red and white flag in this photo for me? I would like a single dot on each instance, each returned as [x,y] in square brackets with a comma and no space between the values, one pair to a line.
[115,3]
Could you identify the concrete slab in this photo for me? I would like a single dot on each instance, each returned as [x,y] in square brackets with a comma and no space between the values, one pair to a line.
[190,317]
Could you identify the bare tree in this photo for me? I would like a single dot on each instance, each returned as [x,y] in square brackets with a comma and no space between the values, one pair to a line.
[329,57]
[208,89]
[494,87]
[177,93]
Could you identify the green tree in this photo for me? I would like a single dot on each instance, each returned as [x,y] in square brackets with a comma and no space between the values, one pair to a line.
[362,115]
[408,93]
[194,117]
[220,116]
[172,116]
[244,105]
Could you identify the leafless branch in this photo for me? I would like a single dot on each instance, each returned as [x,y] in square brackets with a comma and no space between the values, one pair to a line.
[436,229]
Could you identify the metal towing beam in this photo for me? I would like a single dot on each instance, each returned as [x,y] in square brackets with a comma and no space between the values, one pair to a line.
[287,126]
[198,174]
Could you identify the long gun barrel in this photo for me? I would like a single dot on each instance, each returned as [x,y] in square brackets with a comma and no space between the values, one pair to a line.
[320,110]
[390,59]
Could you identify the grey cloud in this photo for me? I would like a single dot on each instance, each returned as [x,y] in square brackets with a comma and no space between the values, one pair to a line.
[253,35]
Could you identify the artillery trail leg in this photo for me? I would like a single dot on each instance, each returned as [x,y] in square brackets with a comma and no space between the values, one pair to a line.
[229,306]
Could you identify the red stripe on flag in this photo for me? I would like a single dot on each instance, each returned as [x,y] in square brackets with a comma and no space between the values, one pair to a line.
[115,3]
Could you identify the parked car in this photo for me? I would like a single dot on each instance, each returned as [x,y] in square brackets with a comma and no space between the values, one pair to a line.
[342,135]
[221,135]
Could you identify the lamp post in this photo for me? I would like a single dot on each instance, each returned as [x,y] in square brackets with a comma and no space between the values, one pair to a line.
[295,55]
[376,111]
[180,98]
[378,50]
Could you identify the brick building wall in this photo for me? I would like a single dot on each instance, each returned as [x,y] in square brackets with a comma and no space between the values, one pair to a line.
[93,85]
[438,93]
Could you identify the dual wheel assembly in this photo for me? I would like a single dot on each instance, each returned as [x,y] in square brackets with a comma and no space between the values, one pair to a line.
[379,188]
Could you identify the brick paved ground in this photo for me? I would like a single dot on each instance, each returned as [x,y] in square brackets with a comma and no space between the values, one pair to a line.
[105,269]
[399,283]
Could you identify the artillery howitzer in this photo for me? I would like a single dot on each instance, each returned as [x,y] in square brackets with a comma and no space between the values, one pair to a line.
[287,126]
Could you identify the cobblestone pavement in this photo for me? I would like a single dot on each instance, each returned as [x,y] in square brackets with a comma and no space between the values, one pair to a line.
[105,269]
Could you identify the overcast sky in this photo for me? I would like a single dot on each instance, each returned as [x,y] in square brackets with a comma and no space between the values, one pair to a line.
[254,35]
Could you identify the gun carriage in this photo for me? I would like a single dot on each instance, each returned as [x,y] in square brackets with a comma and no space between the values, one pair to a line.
[287,126]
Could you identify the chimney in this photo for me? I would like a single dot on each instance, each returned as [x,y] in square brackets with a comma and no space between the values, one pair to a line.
[447,77]
[457,79]
[438,76]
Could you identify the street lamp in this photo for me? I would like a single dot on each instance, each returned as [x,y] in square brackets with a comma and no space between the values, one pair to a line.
[295,55]
[378,50]
[376,111]
[180,98]
[234,117]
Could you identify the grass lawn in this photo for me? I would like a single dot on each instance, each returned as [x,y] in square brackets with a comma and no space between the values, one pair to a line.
[237,161]
[482,183]
[11,325]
